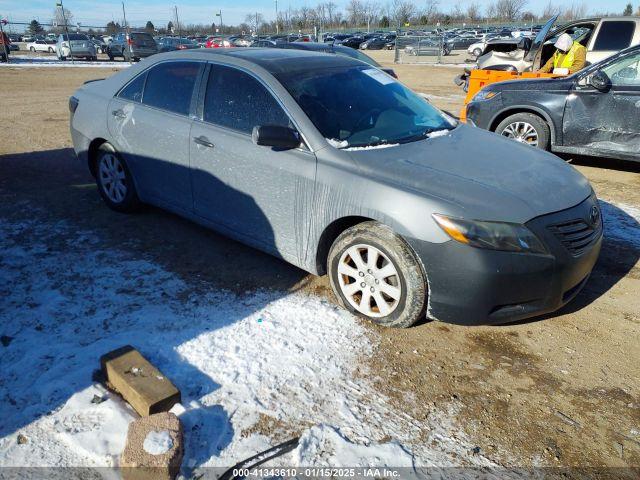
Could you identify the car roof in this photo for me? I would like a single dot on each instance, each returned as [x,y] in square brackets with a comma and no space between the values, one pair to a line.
[273,60]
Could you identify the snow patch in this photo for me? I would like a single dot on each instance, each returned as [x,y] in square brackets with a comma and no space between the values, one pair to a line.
[439,133]
[372,147]
[157,443]
[337,143]
[327,445]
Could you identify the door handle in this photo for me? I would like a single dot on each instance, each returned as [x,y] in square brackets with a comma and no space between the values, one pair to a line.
[204,141]
[119,114]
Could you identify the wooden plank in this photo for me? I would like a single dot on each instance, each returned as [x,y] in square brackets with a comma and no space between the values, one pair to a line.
[141,384]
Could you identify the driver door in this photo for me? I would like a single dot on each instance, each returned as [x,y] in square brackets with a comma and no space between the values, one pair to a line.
[607,121]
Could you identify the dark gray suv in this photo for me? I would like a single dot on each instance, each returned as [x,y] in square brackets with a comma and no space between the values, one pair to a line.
[338,168]
[132,47]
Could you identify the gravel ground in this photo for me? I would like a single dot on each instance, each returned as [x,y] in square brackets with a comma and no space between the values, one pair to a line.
[563,390]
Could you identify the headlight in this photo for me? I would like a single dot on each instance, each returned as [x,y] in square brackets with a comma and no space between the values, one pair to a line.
[509,237]
[484,95]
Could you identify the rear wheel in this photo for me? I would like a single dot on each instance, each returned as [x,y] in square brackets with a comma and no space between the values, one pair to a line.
[477,52]
[32,49]
[375,274]
[50,50]
[114,180]
[526,128]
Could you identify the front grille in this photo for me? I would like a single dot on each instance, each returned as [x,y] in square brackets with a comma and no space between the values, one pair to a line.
[576,235]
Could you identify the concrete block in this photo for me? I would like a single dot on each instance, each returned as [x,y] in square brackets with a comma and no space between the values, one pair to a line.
[137,463]
[141,384]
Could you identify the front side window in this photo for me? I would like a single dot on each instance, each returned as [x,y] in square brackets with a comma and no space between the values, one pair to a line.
[236,100]
[362,106]
[625,71]
[614,36]
[170,86]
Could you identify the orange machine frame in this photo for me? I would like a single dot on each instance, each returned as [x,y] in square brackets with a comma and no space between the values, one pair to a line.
[478,79]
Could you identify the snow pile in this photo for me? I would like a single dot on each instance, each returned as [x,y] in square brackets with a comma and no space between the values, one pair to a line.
[157,443]
[621,223]
[238,359]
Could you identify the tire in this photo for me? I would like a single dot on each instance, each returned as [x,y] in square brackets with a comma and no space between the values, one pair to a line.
[110,57]
[63,59]
[522,127]
[405,287]
[110,165]
[32,50]
[50,50]
[477,52]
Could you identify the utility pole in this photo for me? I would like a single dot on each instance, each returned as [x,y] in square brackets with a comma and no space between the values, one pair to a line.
[277,22]
[66,28]
[128,30]
[178,21]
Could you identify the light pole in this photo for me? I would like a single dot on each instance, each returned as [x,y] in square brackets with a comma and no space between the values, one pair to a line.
[277,22]
[219,14]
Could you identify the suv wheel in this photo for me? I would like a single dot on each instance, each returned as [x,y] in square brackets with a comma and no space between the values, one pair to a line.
[114,180]
[375,274]
[526,128]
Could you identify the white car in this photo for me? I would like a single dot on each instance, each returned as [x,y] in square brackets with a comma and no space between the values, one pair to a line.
[41,46]
[477,48]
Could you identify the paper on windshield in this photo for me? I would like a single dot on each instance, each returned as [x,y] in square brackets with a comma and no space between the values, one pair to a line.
[379,76]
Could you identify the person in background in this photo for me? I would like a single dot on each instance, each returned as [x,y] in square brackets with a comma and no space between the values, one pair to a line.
[568,58]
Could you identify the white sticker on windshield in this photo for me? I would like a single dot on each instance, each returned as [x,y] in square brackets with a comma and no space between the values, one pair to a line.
[379,76]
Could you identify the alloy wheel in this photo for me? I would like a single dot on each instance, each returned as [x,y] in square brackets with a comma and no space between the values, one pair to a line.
[522,132]
[369,280]
[112,178]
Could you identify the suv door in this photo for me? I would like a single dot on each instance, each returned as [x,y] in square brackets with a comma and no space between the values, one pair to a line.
[610,37]
[149,122]
[607,121]
[261,194]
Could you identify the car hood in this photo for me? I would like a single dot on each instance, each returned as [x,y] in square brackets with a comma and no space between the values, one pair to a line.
[562,84]
[480,175]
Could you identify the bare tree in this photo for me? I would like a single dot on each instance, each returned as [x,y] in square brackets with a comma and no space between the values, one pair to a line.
[255,21]
[403,11]
[59,21]
[473,12]
[355,12]
[550,10]
[509,9]
[370,12]
[431,11]
[574,11]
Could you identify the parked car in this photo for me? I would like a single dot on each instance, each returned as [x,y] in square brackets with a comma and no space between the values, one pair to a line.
[170,44]
[41,46]
[602,37]
[75,45]
[14,37]
[378,194]
[378,43]
[428,46]
[28,38]
[593,112]
[218,42]
[13,47]
[353,42]
[242,41]
[460,42]
[132,47]
[337,38]
[100,45]
[264,43]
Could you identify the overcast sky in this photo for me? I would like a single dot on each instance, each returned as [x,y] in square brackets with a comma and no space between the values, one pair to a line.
[98,12]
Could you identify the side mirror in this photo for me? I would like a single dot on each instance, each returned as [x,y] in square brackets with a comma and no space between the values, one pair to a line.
[600,81]
[275,136]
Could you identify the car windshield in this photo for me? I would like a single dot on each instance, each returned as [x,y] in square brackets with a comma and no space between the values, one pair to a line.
[350,52]
[361,106]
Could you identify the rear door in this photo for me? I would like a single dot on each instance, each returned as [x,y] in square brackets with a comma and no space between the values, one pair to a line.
[149,120]
[259,193]
[607,122]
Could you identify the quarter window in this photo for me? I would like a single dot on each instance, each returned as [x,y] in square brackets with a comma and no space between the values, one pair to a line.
[614,36]
[625,72]
[236,100]
[133,91]
[170,86]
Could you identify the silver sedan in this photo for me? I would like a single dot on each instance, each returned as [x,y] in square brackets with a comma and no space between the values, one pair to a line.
[338,168]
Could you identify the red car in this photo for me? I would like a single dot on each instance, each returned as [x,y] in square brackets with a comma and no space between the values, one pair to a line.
[217,42]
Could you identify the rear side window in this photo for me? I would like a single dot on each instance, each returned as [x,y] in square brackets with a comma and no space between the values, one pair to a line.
[170,86]
[614,36]
[236,100]
[133,91]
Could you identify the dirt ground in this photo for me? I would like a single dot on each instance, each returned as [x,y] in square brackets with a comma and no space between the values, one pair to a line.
[563,390]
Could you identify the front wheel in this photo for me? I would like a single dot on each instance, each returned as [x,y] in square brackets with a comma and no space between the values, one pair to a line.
[114,180]
[375,274]
[526,128]
[477,52]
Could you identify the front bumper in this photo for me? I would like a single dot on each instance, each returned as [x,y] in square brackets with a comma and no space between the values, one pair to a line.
[472,286]
[481,114]
[77,52]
